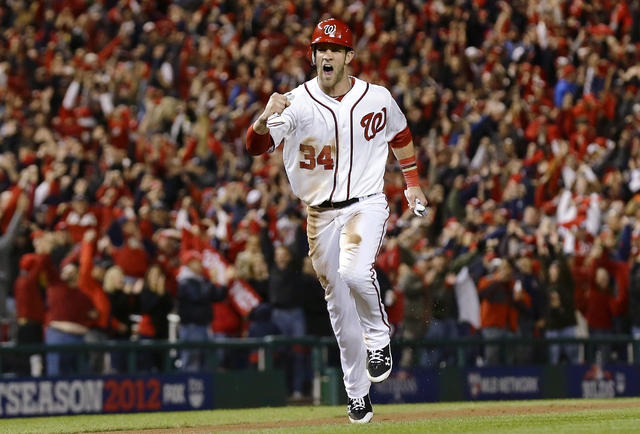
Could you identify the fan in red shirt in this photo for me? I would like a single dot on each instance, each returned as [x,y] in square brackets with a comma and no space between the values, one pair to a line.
[93,288]
[80,218]
[127,248]
[499,307]
[70,313]
[168,244]
[29,295]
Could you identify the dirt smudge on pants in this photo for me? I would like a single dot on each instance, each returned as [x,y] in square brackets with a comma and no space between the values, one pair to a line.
[353,238]
[314,252]
[312,231]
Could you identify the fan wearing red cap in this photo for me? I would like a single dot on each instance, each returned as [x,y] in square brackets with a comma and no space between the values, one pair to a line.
[337,130]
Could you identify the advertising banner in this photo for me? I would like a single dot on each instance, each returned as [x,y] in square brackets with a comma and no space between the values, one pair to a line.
[607,381]
[22,397]
[504,382]
[410,385]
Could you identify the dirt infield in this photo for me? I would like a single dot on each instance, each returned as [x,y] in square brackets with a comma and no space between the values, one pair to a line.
[404,416]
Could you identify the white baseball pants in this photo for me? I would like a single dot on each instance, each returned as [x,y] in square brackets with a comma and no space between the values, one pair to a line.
[343,245]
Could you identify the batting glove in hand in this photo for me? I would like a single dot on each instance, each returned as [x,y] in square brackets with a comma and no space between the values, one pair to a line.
[418,207]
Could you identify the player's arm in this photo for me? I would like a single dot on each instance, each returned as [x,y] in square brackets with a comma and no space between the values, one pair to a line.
[403,149]
[258,141]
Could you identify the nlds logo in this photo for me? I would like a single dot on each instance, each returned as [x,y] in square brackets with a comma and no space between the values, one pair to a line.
[330,30]
[601,383]
[373,123]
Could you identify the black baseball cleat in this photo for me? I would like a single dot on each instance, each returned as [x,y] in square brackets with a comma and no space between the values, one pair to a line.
[360,410]
[379,364]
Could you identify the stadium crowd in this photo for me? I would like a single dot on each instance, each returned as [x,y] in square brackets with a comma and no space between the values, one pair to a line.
[127,193]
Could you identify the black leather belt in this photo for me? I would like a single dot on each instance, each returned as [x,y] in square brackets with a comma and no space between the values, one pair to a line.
[344,203]
[337,205]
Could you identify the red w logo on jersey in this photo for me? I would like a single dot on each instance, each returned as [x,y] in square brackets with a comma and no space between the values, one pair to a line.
[373,123]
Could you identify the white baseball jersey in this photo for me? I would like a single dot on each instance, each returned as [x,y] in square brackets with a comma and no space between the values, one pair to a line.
[337,150]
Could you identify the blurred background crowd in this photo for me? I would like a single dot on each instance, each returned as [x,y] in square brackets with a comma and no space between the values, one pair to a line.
[127,193]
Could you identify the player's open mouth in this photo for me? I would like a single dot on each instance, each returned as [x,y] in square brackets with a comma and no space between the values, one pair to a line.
[327,69]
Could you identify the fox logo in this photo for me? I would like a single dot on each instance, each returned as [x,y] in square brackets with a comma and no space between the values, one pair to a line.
[373,123]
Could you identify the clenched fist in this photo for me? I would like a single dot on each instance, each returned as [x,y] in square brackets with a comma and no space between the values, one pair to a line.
[276,105]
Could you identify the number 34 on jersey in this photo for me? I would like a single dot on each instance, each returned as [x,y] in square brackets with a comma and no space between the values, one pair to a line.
[313,156]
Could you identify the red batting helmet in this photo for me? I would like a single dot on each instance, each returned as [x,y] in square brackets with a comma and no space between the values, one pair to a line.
[331,31]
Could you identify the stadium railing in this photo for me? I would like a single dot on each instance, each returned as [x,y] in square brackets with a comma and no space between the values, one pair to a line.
[264,350]
[628,348]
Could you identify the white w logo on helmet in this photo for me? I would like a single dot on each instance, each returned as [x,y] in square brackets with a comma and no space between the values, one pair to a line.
[330,30]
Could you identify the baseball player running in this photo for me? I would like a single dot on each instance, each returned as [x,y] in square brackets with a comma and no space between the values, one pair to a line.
[337,130]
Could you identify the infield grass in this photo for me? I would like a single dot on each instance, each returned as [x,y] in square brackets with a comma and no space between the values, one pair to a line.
[411,418]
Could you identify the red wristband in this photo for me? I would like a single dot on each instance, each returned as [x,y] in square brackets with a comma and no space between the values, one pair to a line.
[258,143]
[411,177]
[410,171]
